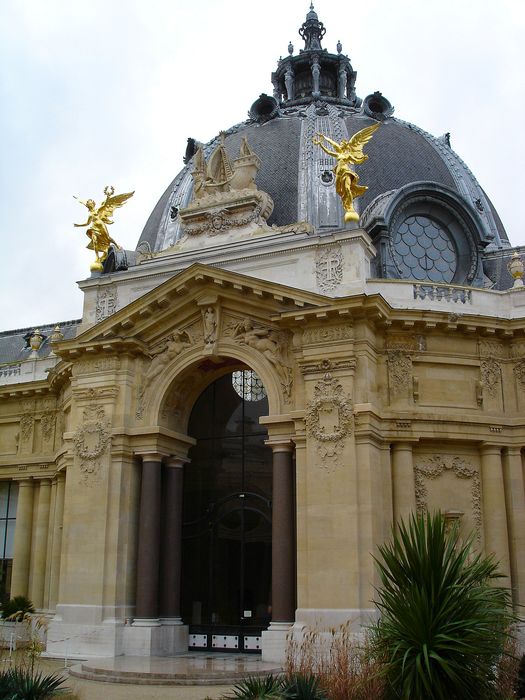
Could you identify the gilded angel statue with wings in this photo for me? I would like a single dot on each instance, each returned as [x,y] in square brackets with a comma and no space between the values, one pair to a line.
[347,153]
[98,221]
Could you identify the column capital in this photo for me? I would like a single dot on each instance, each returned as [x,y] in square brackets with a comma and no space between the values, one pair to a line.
[151,455]
[176,462]
[513,450]
[403,445]
[489,448]
[24,481]
[285,445]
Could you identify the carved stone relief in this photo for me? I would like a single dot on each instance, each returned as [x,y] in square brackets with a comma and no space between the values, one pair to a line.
[399,370]
[490,372]
[327,334]
[433,467]
[107,303]
[99,364]
[27,423]
[95,394]
[271,343]
[327,366]
[91,441]
[519,372]
[209,325]
[328,419]
[47,423]
[329,268]
[407,342]
[491,348]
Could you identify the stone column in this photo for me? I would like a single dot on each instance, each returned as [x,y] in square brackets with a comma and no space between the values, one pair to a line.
[171,546]
[403,486]
[274,639]
[515,502]
[22,541]
[147,599]
[56,550]
[40,544]
[494,509]
[49,544]
[283,535]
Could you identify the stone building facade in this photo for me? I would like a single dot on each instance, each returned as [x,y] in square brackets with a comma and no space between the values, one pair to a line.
[211,455]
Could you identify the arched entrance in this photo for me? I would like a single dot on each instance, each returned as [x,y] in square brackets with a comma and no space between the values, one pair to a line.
[227,529]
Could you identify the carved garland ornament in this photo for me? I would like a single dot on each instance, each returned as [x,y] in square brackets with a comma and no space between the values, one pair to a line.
[490,375]
[329,400]
[433,467]
[399,369]
[91,440]
[519,371]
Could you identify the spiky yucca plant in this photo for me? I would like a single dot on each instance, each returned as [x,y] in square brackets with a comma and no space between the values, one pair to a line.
[443,620]
[259,688]
[21,684]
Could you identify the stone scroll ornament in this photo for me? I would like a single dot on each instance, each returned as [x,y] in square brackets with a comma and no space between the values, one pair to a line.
[328,419]
[91,440]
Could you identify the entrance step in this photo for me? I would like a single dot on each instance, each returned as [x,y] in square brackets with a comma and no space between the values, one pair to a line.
[187,669]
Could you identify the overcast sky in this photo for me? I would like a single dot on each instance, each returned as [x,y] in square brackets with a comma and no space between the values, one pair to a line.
[102,92]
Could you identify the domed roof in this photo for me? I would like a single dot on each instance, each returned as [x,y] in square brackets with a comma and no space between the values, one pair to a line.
[314,91]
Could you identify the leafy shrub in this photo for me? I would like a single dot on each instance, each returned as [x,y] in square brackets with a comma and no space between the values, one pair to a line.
[444,623]
[17,608]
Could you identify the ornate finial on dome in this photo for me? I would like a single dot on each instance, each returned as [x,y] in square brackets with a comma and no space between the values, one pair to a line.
[339,46]
[312,31]
[290,49]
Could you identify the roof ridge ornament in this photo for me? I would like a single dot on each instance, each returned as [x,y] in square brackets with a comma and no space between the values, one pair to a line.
[312,31]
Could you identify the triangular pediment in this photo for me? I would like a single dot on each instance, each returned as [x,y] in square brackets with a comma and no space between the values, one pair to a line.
[143,321]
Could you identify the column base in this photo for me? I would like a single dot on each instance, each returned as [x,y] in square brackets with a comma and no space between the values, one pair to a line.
[275,641]
[146,622]
[155,639]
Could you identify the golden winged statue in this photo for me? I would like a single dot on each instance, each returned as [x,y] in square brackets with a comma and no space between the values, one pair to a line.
[98,222]
[348,153]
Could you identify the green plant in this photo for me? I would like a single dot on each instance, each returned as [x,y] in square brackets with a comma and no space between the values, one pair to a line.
[302,686]
[16,608]
[259,688]
[444,623]
[21,684]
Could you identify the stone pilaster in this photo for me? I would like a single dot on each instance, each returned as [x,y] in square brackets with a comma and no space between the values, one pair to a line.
[56,549]
[22,541]
[403,485]
[494,509]
[515,503]
[40,544]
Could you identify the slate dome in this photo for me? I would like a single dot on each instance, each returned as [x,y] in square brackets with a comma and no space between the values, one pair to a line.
[409,171]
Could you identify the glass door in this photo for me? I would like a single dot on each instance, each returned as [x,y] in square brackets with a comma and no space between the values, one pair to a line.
[226,565]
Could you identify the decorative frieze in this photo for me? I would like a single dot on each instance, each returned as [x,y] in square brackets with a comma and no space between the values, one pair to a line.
[317,366]
[327,334]
[91,441]
[96,364]
[491,349]
[328,419]
[95,394]
[433,467]
[329,268]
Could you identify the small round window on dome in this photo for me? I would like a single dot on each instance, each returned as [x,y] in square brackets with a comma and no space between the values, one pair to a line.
[248,385]
[424,250]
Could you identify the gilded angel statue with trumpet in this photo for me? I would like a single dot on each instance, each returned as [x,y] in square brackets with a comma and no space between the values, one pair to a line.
[348,153]
[98,221]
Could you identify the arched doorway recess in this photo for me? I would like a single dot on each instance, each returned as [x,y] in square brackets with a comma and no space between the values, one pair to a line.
[227,523]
